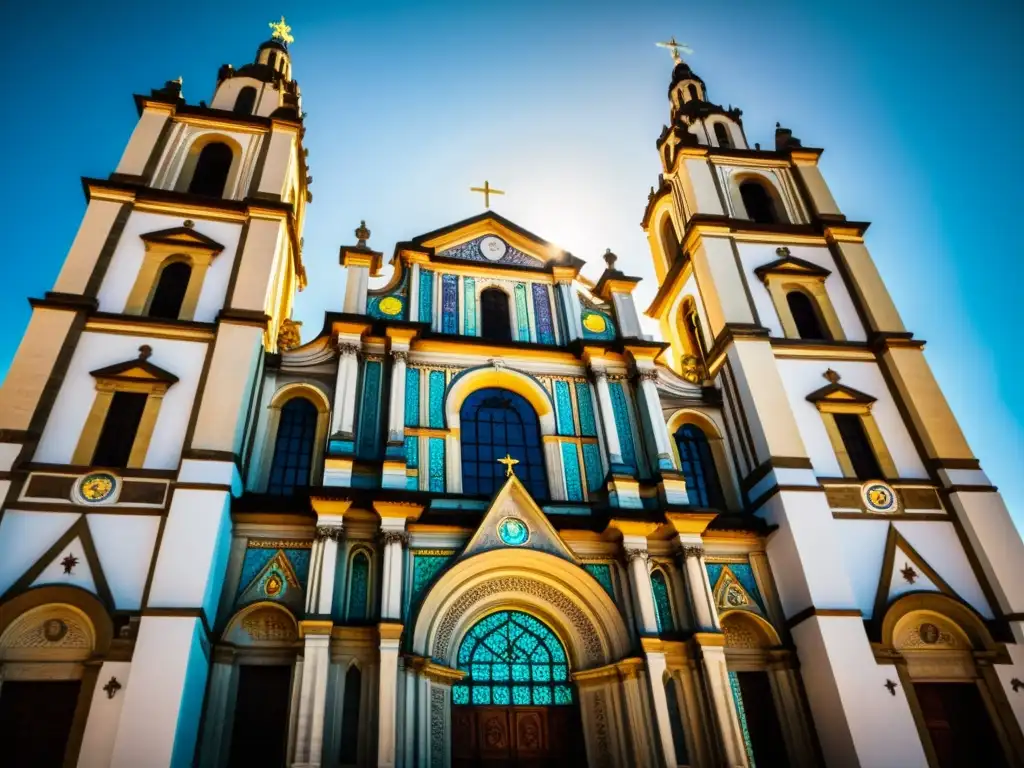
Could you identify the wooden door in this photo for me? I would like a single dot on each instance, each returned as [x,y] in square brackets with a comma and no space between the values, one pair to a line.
[259,736]
[35,721]
[523,737]
[958,723]
[762,719]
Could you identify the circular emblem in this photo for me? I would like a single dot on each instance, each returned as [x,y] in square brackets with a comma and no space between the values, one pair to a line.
[274,585]
[878,497]
[390,305]
[97,487]
[929,633]
[493,248]
[513,531]
[594,322]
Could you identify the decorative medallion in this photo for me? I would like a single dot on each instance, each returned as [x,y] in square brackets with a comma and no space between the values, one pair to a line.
[513,531]
[594,323]
[273,585]
[929,633]
[389,305]
[97,487]
[493,248]
[54,630]
[878,497]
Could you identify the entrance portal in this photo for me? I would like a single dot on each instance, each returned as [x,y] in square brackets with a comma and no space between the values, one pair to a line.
[958,724]
[35,721]
[516,705]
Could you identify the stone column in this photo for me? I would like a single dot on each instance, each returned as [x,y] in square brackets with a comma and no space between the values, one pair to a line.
[712,648]
[604,729]
[394,470]
[656,666]
[387,693]
[652,403]
[309,725]
[327,536]
[571,305]
[391,575]
[637,557]
[698,587]
[637,715]
[343,418]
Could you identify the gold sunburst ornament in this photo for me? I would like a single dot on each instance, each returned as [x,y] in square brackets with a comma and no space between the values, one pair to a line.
[281,31]
[97,487]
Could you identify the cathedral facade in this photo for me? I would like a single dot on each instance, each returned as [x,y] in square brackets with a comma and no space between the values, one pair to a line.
[480,517]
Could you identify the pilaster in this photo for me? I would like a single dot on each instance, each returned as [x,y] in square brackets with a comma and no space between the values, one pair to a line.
[654,655]
[309,723]
[716,673]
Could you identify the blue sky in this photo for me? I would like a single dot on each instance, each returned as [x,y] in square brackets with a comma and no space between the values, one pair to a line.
[916,104]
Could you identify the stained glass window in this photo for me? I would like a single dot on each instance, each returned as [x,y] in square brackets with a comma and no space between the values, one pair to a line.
[496,422]
[512,658]
[293,448]
[698,467]
[662,603]
[359,587]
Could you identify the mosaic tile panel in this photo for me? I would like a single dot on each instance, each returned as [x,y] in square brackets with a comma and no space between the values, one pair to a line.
[734,683]
[424,569]
[563,409]
[412,397]
[471,252]
[449,304]
[426,289]
[603,573]
[358,588]
[592,466]
[622,423]
[388,307]
[571,467]
[585,405]
[412,452]
[522,314]
[662,603]
[371,406]
[469,305]
[542,312]
[436,384]
[436,481]
[744,575]
[591,319]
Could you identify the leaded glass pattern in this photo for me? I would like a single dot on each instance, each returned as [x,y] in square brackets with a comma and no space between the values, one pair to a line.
[412,397]
[293,447]
[469,304]
[622,423]
[563,409]
[513,659]
[359,587]
[426,290]
[436,384]
[436,480]
[603,573]
[588,425]
[371,404]
[571,467]
[734,683]
[449,304]
[662,603]
[496,422]
[522,314]
[542,311]
[698,467]
[592,465]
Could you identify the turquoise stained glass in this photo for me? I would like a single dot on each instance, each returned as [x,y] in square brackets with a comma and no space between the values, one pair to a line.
[513,531]
[622,423]
[436,387]
[436,482]
[469,304]
[571,467]
[662,603]
[512,658]
[592,465]
[426,290]
[412,452]
[588,427]
[603,574]
[563,409]
[371,402]
[424,569]
[358,587]
[412,397]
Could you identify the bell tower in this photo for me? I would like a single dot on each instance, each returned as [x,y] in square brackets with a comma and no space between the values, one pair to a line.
[125,414]
[834,420]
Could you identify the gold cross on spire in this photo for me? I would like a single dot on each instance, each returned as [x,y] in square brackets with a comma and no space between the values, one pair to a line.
[674,48]
[488,190]
[281,31]
[509,462]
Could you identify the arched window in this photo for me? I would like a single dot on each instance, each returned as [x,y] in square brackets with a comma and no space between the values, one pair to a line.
[170,290]
[293,448]
[496,422]
[722,135]
[698,467]
[495,318]
[758,202]
[511,659]
[117,437]
[669,241]
[691,92]
[359,587]
[662,602]
[350,716]
[211,172]
[246,101]
[805,316]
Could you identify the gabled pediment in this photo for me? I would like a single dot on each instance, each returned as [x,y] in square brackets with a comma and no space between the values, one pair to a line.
[840,393]
[183,237]
[903,571]
[514,521]
[139,370]
[492,239]
[792,266]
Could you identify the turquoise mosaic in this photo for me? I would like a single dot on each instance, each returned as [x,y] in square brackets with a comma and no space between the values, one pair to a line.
[571,468]
[662,603]
[744,575]
[622,423]
[424,569]
[603,573]
[469,305]
[426,296]
[436,393]
[592,465]
[257,558]
[371,406]
[522,313]
[589,317]
[563,409]
[395,312]
[436,481]
[585,405]
[412,452]
[734,683]
[358,588]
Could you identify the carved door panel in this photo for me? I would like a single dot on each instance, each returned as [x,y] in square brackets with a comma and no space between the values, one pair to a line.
[494,737]
[463,735]
[516,737]
[531,742]
[959,725]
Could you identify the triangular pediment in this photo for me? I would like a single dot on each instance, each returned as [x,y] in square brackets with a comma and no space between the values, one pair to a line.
[139,370]
[514,521]
[904,571]
[731,595]
[492,239]
[277,580]
[791,265]
[840,393]
[183,237]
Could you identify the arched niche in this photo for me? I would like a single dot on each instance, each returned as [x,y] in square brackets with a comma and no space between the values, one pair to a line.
[714,431]
[191,159]
[24,617]
[280,398]
[744,630]
[262,625]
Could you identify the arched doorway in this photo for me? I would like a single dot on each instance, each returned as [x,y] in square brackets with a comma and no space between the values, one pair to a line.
[516,705]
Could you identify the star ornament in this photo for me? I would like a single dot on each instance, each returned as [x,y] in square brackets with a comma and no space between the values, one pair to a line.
[69,563]
[281,31]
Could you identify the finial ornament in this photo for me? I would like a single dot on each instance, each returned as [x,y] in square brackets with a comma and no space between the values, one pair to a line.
[674,48]
[487,191]
[281,31]
[610,258]
[362,233]
[509,462]
[832,376]
[145,351]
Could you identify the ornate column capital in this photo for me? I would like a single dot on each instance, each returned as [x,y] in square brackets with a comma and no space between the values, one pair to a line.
[399,355]
[693,550]
[332,532]
[632,554]
[599,373]
[346,348]
[647,374]
[392,537]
